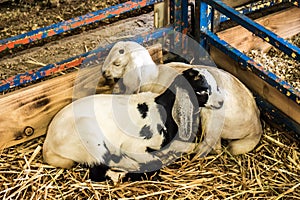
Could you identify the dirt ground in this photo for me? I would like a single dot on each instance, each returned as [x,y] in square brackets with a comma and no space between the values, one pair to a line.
[26,15]
[62,47]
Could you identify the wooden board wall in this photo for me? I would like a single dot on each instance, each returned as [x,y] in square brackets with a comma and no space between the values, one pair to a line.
[285,24]
[271,94]
[31,109]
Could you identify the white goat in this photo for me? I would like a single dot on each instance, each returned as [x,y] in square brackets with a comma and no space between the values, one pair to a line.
[124,131]
[140,70]
[237,119]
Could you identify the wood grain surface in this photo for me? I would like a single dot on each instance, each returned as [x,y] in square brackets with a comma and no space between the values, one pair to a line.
[26,113]
[285,24]
[256,84]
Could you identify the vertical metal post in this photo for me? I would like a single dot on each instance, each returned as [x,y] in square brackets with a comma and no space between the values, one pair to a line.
[197,21]
[203,22]
[172,22]
[184,25]
[179,18]
[184,22]
[172,8]
[192,6]
[179,15]
[167,12]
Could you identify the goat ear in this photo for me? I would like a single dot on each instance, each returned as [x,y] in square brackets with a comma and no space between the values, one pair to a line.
[190,72]
[182,113]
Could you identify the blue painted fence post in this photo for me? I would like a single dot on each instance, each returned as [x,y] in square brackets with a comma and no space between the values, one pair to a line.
[179,19]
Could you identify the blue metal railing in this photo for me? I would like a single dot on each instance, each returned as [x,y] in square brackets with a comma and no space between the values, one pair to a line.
[256,6]
[206,37]
[48,70]
[255,28]
[61,27]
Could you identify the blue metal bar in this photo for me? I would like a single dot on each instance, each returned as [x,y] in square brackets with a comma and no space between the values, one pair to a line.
[71,24]
[33,75]
[185,25]
[185,16]
[257,29]
[179,14]
[204,22]
[250,64]
[172,11]
[197,20]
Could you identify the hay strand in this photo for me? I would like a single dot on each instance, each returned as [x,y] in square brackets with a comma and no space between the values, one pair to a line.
[271,171]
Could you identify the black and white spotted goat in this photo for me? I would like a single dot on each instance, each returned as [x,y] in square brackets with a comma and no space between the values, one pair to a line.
[124,132]
[229,109]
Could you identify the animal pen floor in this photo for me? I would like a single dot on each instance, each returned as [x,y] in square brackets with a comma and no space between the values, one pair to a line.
[271,171]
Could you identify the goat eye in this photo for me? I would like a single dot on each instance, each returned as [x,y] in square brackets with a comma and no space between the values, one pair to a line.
[163,131]
[201,92]
[116,63]
[121,51]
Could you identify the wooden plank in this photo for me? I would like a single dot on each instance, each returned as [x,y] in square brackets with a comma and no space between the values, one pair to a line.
[271,94]
[236,3]
[33,107]
[285,24]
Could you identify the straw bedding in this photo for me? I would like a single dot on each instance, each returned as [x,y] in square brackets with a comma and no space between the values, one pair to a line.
[285,67]
[271,171]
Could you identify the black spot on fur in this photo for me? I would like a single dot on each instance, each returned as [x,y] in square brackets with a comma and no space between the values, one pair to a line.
[200,85]
[166,102]
[98,173]
[149,150]
[143,109]
[202,99]
[155,164]
[146,132]
[108,156]
[146,172]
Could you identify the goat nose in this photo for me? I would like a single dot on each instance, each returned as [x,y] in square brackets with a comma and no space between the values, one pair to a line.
[106,74]
[221,103]
[219,106]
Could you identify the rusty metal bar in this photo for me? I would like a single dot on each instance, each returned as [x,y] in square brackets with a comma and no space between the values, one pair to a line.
[73,23]
[246,62]
[36,74]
